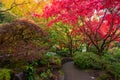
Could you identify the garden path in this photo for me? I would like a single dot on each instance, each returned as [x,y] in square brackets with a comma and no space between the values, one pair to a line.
[71,72]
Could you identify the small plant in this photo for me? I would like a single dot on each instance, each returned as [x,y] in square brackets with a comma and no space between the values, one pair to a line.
[5,74]
[51,58]
[30,72]
[44,62]
[47,75]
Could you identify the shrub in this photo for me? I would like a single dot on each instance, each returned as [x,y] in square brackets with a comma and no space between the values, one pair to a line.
[5,74]
[104,76]
[108,62]
[112,64]
[114,69]
[23,39]
[109,59]
[63,53]
[116,54]
[53,58]
[47,75]
[92,49]
[87,60]
[50,58]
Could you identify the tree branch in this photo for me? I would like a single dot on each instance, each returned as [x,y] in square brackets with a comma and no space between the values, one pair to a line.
[14,4]
[108,33]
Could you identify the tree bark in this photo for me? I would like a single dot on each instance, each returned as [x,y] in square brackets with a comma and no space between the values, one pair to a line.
[100,52]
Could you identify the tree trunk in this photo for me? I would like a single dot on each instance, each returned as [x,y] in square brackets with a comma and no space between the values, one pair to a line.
[87,47]
[70,45]
[100,52]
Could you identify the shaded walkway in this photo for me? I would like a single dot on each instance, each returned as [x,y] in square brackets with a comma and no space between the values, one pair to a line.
[72,73]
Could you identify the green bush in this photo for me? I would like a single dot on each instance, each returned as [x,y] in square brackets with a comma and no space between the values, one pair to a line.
[63,53]
[43,62]
[109,59]
[112,64]
[116,54]
[104,76]
[50,58]
[87,60]
[92,49]
[108,62]
[5,74]
[114,69]
[46,75]
[53,58]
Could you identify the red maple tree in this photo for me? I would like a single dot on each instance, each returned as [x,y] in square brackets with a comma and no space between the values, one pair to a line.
[97,20]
